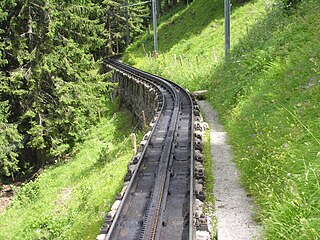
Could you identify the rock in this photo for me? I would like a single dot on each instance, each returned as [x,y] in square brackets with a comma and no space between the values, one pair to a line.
[200,95]
[203,235]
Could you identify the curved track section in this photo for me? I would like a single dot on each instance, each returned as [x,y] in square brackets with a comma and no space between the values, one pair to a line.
[158,203]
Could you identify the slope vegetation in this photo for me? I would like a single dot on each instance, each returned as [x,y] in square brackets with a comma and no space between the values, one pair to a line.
[70,200]
[267,95]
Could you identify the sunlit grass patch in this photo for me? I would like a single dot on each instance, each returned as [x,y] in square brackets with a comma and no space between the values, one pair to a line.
[267,95]
[69,201]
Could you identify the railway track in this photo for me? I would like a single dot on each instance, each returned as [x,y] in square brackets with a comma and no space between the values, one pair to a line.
[158,201]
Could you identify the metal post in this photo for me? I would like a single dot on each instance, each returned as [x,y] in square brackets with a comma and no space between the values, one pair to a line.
[227,27]
[154,18]
[127,25]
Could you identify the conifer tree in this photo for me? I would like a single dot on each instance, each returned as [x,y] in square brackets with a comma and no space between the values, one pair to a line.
[47,76]
[50,90]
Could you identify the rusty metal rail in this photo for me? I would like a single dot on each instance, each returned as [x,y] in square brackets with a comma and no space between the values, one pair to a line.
[158,202]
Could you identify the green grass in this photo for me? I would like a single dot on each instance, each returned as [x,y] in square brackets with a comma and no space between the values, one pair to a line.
[267,94]
[196,34]
[209,180]
[270,105]
[69,200]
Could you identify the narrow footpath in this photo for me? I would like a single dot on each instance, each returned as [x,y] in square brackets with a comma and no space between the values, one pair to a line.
[233,207]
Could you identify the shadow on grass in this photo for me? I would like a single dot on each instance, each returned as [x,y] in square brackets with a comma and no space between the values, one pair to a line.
[270,76]
[268,43]
[199,14]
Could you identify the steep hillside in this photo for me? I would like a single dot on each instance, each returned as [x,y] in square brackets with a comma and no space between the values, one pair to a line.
[69,200]
[194,35]
[267,96]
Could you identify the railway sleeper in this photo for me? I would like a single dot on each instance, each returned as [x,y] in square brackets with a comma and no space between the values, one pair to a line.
[196,106]
[203,235]
[198,144]
[142,145]
[202,223]
[131,167]
[198,118]
[135,159]
[159,106]
[198,165]
[106,225]
[199,157]
[201,195]
[128,176]
[120,195]
[198,134]
[199,173]
[151,124]
[200,126]
[147,136]
[198,207]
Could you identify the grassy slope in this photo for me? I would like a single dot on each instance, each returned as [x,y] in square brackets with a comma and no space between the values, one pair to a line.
[193,33]
[268,96]
[69,201]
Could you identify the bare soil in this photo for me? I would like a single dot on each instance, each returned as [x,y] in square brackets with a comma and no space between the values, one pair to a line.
[6,194]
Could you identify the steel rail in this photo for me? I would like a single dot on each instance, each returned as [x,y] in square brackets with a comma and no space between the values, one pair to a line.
[172,94]
[191,183]
[125,196]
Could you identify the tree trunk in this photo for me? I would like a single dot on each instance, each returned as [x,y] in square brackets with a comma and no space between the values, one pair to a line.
[166,6]
[40,153]
[159,10]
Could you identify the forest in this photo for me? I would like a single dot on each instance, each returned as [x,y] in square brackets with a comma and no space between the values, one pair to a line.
[52,86]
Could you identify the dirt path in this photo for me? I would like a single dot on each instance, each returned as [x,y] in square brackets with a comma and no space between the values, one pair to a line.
[233,208]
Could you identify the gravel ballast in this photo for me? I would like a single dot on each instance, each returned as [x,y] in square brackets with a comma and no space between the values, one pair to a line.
[233,207]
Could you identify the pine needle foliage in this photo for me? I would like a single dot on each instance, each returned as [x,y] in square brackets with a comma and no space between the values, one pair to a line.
[51,88]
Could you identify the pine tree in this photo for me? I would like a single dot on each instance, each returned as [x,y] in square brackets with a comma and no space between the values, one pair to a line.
[47,76]
[50,90]
[9,136]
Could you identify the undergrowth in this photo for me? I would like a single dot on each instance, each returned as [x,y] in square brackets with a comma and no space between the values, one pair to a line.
[267,95]
[70,200]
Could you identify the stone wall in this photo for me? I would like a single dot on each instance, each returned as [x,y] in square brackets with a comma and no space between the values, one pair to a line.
[138,96]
